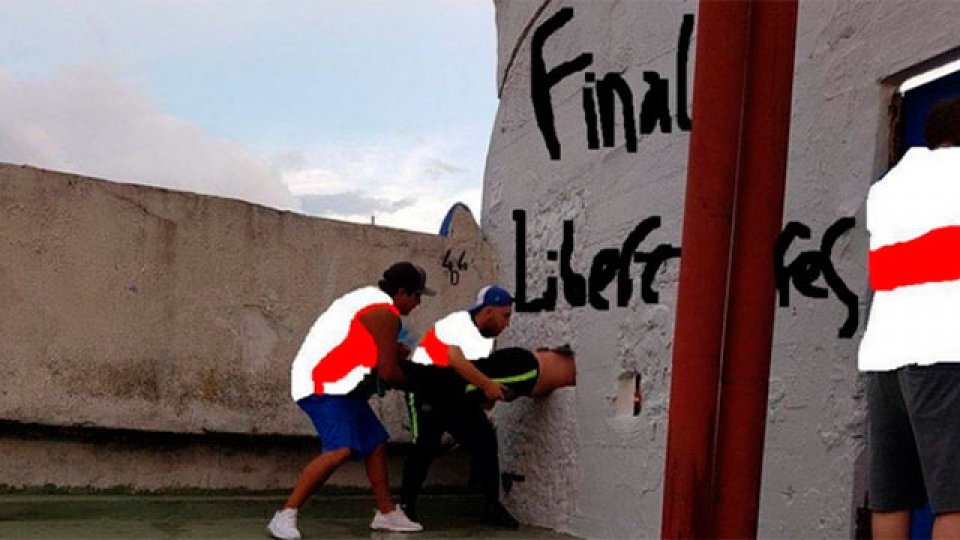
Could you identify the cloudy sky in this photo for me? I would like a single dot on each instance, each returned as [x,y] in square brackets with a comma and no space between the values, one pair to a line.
[336,108]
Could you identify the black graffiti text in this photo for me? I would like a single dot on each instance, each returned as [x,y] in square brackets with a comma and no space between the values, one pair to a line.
[805,270]
[601,94]
[608,264]
[454,267]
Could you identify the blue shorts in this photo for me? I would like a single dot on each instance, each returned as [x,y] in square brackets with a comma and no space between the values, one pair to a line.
[344,422]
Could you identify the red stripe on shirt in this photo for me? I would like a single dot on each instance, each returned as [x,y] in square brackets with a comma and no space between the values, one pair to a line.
[931,258]
[357,349]
[436,349]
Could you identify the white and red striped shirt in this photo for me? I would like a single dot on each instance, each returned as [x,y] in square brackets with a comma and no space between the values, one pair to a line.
[913,216]
[339,351]
[456,329]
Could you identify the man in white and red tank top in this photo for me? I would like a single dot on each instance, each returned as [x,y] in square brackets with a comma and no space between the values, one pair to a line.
[444,368]
[354,336]
[910,351]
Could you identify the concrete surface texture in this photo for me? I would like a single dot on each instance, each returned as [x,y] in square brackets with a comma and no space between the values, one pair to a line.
[49,517]
[149,311]
[590,466]
[35,456]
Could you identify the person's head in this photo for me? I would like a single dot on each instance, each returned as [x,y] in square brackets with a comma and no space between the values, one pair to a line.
[492,311]
[405,283]
[943,124]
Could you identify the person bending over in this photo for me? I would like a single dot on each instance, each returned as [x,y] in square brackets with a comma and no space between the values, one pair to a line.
[441,374]
[354,336]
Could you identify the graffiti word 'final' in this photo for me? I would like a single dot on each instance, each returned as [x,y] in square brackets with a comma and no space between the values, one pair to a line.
[600,95]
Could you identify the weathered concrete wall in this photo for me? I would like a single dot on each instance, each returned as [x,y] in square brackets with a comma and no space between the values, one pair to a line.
[151,310]
[81,457]
[591,467]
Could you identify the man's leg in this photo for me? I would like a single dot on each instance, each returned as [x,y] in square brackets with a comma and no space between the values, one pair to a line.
[315,474]
[377,473]
[946,526]
[896,478]
[890,525]
[426,431]
[932,394]
[471,427]
[371,443]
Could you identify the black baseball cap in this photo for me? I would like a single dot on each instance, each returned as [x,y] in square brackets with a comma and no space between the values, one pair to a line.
[407,276]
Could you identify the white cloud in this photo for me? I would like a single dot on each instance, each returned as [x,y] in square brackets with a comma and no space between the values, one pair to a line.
[87,122]
[84,121]
[409,184]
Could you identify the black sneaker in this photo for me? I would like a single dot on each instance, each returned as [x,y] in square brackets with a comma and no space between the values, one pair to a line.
[498,516]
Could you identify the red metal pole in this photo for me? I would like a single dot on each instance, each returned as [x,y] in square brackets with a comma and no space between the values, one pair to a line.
[751,302]
[718,94]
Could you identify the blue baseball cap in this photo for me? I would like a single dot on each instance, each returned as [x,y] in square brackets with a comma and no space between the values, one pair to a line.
[494,296]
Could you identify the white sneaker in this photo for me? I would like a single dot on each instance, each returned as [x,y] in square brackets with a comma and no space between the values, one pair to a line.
[283,526]
[395,521]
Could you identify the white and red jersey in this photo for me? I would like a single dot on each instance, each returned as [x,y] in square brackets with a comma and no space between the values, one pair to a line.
[456,329]
[913,216]
[339,351]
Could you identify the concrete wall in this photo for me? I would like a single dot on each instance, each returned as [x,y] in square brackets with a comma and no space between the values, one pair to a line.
[591,467]
[146,311]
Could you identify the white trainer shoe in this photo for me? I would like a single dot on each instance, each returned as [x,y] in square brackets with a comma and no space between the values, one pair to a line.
[395,521]
[283,526]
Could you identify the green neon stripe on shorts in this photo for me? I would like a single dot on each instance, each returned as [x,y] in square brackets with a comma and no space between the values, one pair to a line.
[413,416]
[507,380]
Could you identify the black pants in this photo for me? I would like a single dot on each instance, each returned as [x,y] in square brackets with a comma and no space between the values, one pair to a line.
[439,400]
[467,422]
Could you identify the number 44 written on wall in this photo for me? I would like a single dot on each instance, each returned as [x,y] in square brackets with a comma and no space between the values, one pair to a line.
[452,267]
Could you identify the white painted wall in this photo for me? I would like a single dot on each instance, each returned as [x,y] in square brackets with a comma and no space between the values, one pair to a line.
[591,470]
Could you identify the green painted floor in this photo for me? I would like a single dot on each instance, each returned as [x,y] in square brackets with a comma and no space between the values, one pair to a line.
[53,516]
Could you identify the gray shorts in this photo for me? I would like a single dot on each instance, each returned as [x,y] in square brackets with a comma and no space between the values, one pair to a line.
[914,438]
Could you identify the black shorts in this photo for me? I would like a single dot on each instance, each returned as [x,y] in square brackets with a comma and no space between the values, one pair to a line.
[914,438]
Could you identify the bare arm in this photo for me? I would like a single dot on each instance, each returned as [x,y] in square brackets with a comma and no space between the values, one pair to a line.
[383,325]
[465,368]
